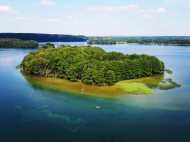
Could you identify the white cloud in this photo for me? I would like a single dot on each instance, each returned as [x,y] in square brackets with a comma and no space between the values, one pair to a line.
[70,17]
[20,18]
[5,9]
[48,2]
[132,6]
[161,10]
[152,13]
[113,8]
[188,3]
[41,19]
[53,19]
[145,12]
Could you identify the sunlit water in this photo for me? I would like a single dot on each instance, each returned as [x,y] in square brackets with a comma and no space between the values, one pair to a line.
[32,114]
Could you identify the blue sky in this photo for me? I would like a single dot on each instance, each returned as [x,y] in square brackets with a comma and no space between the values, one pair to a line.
[96,17]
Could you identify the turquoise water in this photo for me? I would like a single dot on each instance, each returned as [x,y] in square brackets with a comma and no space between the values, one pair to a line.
[33,114]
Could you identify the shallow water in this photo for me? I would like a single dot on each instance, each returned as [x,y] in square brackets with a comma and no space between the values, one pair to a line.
[30,113]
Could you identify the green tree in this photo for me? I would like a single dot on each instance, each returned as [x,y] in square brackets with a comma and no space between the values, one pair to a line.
[110,77]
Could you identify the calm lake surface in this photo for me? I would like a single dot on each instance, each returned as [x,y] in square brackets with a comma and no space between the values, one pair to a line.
[33,114]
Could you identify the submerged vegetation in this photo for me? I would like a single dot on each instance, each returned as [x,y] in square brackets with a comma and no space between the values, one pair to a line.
[168,71]
[135,86]
[17,43]
[90,65]
[168,84]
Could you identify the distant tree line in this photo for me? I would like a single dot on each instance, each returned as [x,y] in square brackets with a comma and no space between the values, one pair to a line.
[160,40]
[44,37]
[17,43]
[102,42]
[91,65]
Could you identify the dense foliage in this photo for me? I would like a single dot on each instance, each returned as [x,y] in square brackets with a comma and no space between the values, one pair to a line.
[48,45]
[44,37]
[102,41]
[91,65]
[163,40]
[17,43]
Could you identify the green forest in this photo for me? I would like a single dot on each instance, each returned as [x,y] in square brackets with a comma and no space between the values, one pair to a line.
[17,43]
[90,65]
[102,41]
[146,40]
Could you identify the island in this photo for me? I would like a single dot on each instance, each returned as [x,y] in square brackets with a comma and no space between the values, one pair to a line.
[89,65]
[17,43]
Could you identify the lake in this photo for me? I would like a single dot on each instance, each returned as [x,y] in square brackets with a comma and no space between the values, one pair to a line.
[30,113]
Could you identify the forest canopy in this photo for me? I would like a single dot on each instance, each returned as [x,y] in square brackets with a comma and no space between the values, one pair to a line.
[44,37]
[90,65]
[17,43]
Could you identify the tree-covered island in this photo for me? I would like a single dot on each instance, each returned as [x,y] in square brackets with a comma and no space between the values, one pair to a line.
[90,65]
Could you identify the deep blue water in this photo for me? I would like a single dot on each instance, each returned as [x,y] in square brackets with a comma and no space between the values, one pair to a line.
[32,114]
